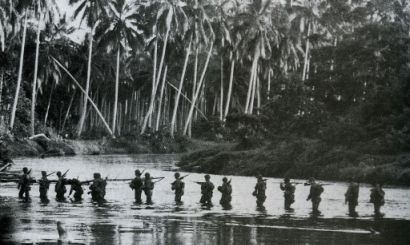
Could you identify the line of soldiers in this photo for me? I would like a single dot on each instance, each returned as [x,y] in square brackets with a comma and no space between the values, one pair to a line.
[97,188]
[146,184]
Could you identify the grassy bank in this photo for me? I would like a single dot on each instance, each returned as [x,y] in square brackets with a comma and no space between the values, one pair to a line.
[300,158]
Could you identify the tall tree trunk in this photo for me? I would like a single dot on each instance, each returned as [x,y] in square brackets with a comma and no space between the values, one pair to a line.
[250,109]
[158,77]
[228,98]
[117,82]
[181,82]
[305,65]
[34,91]
[221,104]
[20,72]
[48,104]
[252,78]
[194,88]
[87,85]
[269,82]
[160,98]
[198,89]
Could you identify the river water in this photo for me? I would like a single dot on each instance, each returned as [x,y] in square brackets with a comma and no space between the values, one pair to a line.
[120,221]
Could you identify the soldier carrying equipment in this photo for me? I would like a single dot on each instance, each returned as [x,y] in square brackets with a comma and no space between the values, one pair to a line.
[351,197]
[137,185]
[24,185]
[288,192]
[60,188]
[314,195]
[44,185]
[148,188]
[178,187]
[97,188]
[77,188]
[226,191]
[377,198]
[207,190]
[259,191]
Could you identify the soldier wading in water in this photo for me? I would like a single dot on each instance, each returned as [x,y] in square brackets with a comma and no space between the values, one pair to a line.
[44,185]
[226,191]
[377,198]
[314,195]
[178,187]
[98,188]
[24,185]
[288,193]
[77,188]
[137,185]
[259,191]
[148,188]
[207,190]
[60,188]
[351,197]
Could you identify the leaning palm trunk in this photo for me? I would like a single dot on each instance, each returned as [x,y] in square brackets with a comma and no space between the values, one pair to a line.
[20,73]
[117,81]
[221,104]
[85,94]
[198,89]
[68,112]
[87,87]
[34,92]
[228,99]
[181,82]
[160,98]
[49,104]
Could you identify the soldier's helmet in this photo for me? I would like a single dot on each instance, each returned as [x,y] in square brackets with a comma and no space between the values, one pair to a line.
[311,180]
[43,173]
[58,173]
[207,176]
[137,172]
[147,175]
[224,179]
[25,170]
[287,180]
[97,175]
[259,176]
[177,175]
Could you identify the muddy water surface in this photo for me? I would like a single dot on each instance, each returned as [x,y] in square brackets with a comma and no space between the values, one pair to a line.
[120,221]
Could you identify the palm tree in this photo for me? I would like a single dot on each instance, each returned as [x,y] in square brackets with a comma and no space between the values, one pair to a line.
[90,11]
[23,7]
[44,10]
[121,33]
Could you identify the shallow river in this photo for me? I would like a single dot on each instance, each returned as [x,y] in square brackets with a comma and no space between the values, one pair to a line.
[120,221]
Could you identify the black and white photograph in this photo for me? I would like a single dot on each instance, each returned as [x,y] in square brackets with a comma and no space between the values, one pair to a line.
[205,122]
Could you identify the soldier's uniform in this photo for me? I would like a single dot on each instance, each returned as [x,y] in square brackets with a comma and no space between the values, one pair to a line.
[226,191]
[24,185]
[314,195]
[148,188]
[77,188]
[60,188]
[178,187]
[259,191]
[98,188]
[288,192]
[207,190]
[44,185]
[137,185]
[377,198]
[351,197]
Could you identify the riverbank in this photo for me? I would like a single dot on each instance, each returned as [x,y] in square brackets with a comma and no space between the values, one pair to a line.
[52,147]
[300,158]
